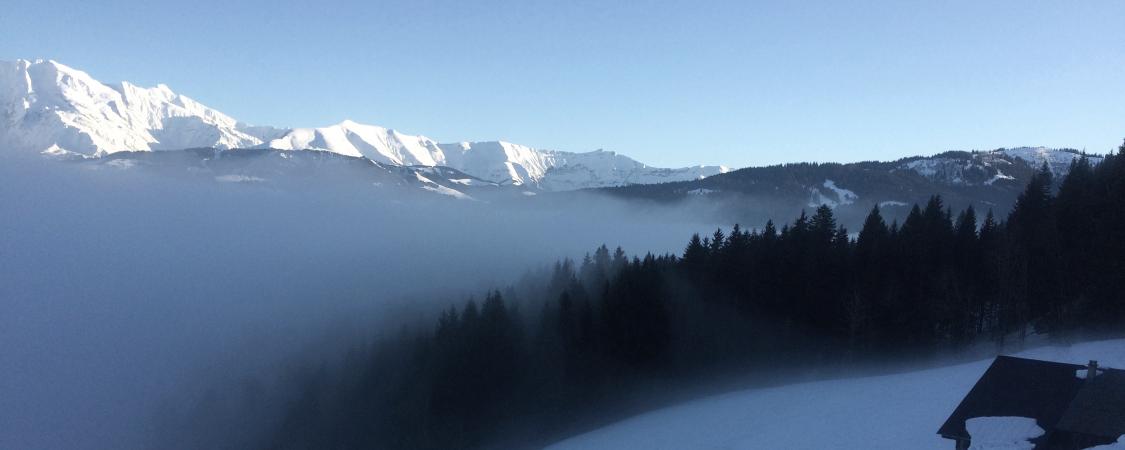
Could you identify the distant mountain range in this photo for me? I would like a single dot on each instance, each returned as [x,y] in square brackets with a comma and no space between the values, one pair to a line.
[986,180]
[47,106]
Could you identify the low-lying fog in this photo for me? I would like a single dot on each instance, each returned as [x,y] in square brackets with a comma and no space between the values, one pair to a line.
[122,290]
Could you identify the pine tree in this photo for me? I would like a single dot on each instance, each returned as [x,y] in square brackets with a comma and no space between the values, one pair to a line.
[964,286]
[1034,252]
[1077,217]
[823,224]
[872,251]
[717,241]
[874,231]
[769,233]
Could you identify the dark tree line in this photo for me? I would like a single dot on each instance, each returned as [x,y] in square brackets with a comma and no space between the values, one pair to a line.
[525,364]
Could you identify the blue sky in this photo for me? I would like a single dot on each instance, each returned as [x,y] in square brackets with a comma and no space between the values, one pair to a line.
[670,83]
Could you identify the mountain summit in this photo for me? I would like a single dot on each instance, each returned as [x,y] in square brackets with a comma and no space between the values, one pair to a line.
[44,104]
[49,107]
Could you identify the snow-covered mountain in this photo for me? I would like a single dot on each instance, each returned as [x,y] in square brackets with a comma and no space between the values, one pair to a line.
[49,107]
[46,105]
[498,161]
[376,143]
[986,168]
[1058,160]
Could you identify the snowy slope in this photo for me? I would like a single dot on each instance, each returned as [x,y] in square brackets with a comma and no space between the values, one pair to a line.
[892,412]
[557,170]
[836,195]
[44,104]
[369,141]
[603,169]
[1058,160]
[497,161]
[986,168]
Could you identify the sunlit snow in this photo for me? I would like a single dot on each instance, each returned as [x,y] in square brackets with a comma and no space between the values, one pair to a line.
[891,412]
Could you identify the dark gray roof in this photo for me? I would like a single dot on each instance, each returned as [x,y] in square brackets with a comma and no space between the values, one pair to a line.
[1018,387]
[1099,407]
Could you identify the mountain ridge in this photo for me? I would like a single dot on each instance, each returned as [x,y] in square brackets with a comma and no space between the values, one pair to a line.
[48,106]
[986,180]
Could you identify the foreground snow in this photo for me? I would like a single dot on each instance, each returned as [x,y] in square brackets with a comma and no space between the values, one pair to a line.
[884,412]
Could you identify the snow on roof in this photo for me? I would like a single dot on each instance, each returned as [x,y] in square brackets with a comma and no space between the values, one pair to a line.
[1083,372]
[1003,433]
[1016,387]
[1099,407]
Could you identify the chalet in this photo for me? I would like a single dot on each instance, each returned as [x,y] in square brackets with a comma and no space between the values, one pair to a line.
[1076,406]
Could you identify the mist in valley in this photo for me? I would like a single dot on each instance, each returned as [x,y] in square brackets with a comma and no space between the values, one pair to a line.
[129,296]
[238,303]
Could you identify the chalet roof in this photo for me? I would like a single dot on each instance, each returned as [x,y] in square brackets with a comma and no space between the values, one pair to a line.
[1099,407]
[1017,387]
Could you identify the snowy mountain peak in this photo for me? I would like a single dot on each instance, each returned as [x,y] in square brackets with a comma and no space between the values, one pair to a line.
[497,161]
[49,107]
[369,141]
[46,104]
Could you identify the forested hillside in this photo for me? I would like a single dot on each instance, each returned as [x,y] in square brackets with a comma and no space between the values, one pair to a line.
[524,364]
[981,179]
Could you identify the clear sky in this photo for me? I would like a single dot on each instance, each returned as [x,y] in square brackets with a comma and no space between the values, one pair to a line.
[670,83]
